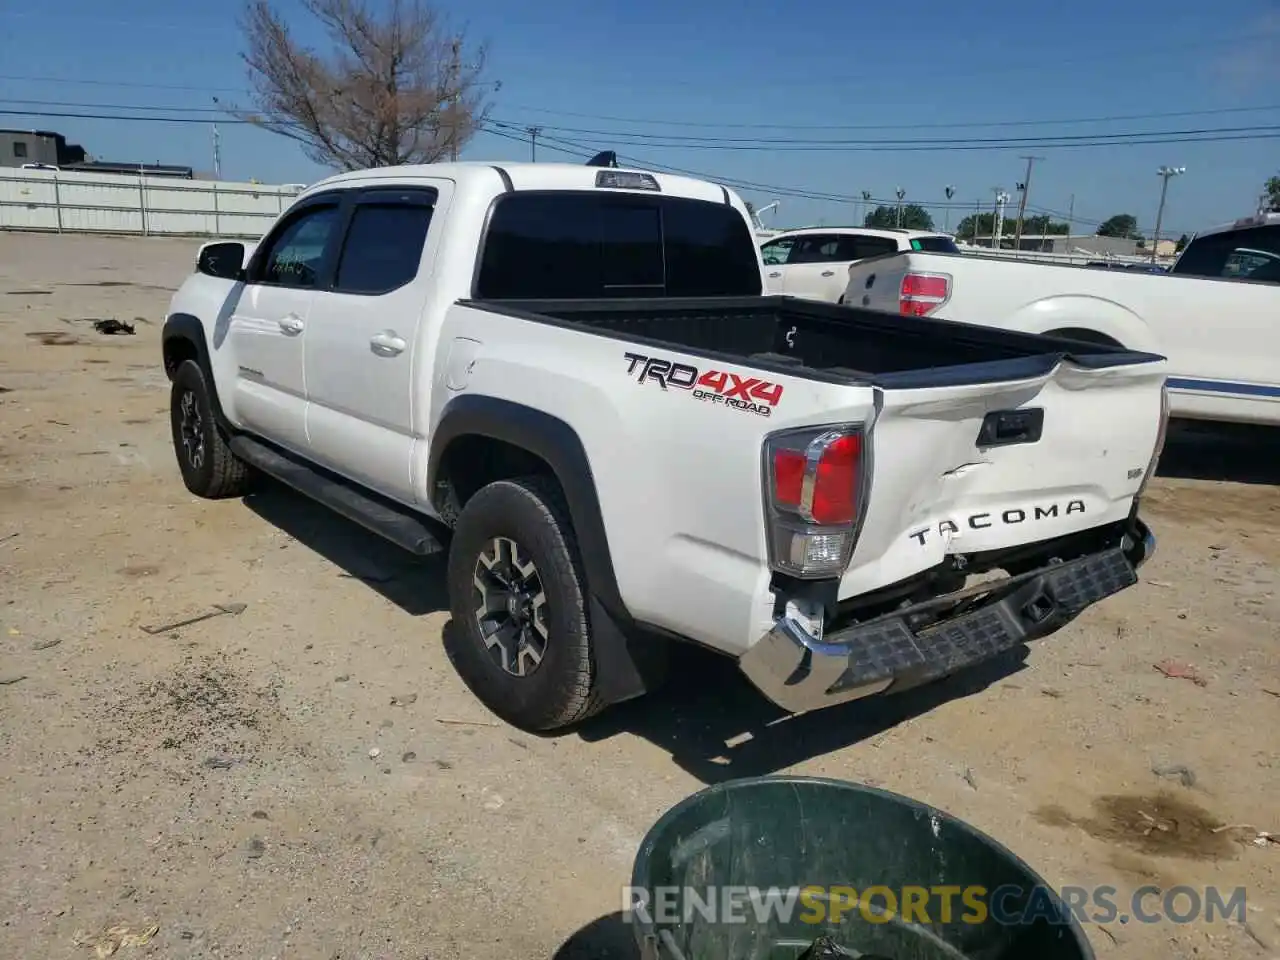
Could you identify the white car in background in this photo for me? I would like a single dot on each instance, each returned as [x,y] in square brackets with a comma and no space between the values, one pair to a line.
[813,263]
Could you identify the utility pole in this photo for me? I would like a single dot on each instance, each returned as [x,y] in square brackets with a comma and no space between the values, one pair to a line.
[977,219]
[533,142]
[900,193]
[217,151]
[1071,220]
[866,205]
[455,71]
[950,191]
[1164,173]
[1025,187]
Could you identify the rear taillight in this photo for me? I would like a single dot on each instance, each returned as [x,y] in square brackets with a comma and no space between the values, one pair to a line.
[923,293]
[815,483]
[1160,438]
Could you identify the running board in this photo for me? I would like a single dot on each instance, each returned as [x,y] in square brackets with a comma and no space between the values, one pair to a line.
[389,520]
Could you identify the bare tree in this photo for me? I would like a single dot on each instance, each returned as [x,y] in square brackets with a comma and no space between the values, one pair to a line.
[396,88]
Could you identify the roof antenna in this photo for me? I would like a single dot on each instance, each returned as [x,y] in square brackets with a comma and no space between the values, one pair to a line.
[606,158]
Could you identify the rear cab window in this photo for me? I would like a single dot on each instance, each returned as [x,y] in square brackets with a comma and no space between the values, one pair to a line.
[934,245]
[595,245]
[1249,254]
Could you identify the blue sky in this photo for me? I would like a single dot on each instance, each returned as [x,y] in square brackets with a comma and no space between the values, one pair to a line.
[592,73]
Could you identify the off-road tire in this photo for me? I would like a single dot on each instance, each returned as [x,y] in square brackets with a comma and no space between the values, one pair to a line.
[561,691]
[217,473]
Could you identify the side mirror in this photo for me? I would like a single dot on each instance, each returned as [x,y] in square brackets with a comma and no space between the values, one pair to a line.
[224,260]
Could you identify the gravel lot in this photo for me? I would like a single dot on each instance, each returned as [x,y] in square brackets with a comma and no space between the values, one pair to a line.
[283,782]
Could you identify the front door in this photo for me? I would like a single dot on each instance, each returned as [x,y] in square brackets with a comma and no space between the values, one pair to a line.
[362,347]
[268,326]
[813,270]
[775,254]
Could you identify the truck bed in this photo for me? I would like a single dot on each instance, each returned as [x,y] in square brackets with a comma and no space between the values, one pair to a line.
[822,341]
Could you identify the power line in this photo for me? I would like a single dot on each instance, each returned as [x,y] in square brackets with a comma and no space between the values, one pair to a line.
[1205,135]
[683,140]
[970,124]
[1210,134]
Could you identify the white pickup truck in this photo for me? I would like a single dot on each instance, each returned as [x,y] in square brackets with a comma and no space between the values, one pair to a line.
[1214,314]
[814,262]
[569,378]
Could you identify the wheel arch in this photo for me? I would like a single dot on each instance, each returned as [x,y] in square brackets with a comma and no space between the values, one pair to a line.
[182,338]
[480,439]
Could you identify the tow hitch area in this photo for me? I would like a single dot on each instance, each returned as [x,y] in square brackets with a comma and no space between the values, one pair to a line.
[801,673]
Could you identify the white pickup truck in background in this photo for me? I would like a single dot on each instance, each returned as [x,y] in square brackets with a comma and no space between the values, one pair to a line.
[814,262]
[569,379]
[1215,314]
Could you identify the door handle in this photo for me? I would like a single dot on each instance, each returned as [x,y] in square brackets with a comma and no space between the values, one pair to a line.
[291,323]
[776,273]
[387,344]
[828,273]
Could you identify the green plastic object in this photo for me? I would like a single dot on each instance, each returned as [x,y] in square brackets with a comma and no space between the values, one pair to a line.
[778,835]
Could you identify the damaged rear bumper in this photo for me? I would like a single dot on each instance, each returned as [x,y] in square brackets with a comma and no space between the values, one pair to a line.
[800,673]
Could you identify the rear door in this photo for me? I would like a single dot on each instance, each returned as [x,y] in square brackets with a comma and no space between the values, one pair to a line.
[361,336]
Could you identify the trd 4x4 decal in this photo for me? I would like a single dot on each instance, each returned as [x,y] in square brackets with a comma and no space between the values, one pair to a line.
[733,390]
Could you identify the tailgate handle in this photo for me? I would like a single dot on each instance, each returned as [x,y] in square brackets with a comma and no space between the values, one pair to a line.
[1003,428]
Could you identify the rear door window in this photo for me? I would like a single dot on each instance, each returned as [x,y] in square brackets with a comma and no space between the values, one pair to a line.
[855,247]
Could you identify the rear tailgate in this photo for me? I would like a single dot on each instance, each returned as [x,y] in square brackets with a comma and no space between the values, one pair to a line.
[876,283]
[969,466]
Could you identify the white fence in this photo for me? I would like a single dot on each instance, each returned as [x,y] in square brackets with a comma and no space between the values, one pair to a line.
[61,201]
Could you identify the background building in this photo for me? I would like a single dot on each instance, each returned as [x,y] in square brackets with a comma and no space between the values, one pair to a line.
[38,146]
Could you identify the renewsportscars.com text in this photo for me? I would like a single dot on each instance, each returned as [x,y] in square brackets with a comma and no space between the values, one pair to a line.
[1011,904]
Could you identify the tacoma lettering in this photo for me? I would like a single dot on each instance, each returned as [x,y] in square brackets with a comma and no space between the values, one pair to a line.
[982,521]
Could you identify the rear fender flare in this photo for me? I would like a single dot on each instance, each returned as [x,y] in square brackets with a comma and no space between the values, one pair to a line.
[627,662]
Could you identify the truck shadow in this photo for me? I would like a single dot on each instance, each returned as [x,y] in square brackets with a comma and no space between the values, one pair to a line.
[717,726]
[606,938]
[1241,453]
[708,717]
[415,584]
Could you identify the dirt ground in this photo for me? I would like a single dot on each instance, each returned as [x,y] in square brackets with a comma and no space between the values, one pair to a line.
[310,779]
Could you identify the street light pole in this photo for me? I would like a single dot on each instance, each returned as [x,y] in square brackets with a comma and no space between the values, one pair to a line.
[1164,173]
[950,191]
[900,193]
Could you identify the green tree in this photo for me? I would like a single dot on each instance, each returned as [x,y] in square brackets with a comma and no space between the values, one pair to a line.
[914,217]
[1182,242]
[1273,193]
[1123,225]
[1033,226]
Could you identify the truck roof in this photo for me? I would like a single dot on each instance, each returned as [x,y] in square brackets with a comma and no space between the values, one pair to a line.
[527,176]
[893,232]
[1271,219]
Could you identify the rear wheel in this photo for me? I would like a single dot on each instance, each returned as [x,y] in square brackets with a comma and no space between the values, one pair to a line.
[520,639]
[209,468]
